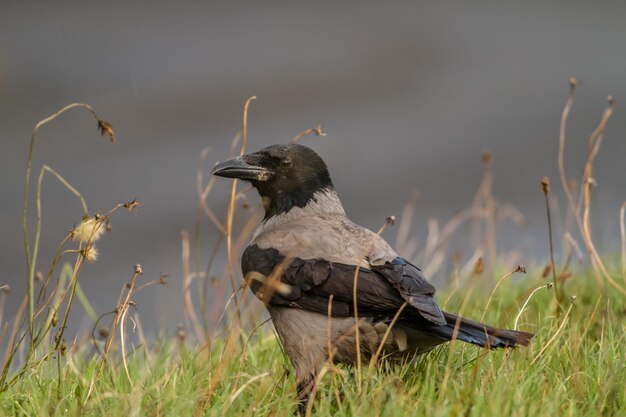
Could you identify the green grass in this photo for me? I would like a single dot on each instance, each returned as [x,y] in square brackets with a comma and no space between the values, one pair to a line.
[575,366]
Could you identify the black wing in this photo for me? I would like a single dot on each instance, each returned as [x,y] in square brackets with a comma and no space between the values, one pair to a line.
[381,290]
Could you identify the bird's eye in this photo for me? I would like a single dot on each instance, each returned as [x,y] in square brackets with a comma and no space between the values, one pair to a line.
[285,163]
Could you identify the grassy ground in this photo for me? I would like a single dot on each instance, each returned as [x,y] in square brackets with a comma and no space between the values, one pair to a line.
[576,366]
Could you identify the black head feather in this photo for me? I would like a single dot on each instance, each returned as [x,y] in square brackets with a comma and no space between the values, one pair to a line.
[286,176]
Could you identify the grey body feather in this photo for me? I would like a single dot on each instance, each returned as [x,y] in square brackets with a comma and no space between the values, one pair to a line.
[318,249]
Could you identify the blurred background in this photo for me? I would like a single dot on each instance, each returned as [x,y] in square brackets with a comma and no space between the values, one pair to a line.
[410,95]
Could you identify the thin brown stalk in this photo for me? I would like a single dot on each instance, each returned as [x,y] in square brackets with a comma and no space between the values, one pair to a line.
[123,344]
[189,308]
[242,357]
[519,268]
[554,336]
[105,127]
[231,204]
[329,325]
[519,314]
[561,158]
[11,342]
[381,345]
[116,321]
[455,332]
[545,187]
[589,182]
[4,291]
[203,192]
[490,209]
[484,199]
[595,140]
[406,220]
[72,285]
[622,228]
[443,236]
[355,302]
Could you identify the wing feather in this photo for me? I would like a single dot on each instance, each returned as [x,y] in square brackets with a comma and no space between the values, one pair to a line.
[309,283]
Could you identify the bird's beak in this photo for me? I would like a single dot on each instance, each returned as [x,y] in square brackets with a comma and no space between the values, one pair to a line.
[238,168]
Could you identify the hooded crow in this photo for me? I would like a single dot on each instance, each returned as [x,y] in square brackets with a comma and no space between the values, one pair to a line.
[302,262]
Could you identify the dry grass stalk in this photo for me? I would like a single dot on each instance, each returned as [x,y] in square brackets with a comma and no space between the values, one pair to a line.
[317,131]
[404,227]
[484,199]
[381,345]
[31,261]
[203,192]
[434,251]
[582,221]
[520,269]
[594,143]
[545,187]
[561,158]
[554,335]
[389,221]
[190,311]
[231,205]
[548,286]
[622,228]
[490,215]
[119,313]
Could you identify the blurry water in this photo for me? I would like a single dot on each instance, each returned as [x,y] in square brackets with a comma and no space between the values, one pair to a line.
[409,94]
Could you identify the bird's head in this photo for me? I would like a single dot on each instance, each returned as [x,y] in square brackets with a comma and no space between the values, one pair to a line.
[286,176]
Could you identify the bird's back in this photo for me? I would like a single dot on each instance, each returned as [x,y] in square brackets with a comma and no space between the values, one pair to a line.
[315,232]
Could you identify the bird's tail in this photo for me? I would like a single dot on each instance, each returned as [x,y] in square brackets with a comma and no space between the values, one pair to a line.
[480,334]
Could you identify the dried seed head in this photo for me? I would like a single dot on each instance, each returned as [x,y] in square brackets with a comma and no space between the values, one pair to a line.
[106,128]
[89,230]
[549,285]
[90,253]
[103,333]
[573,83]
[391,220]
[181,334]
[131,205]
[485,156]
[163,278]
[564,275]
[545,185]
[138,269]
[319,130]
[479,266]
[573,298]
[610,100]
[520,268]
